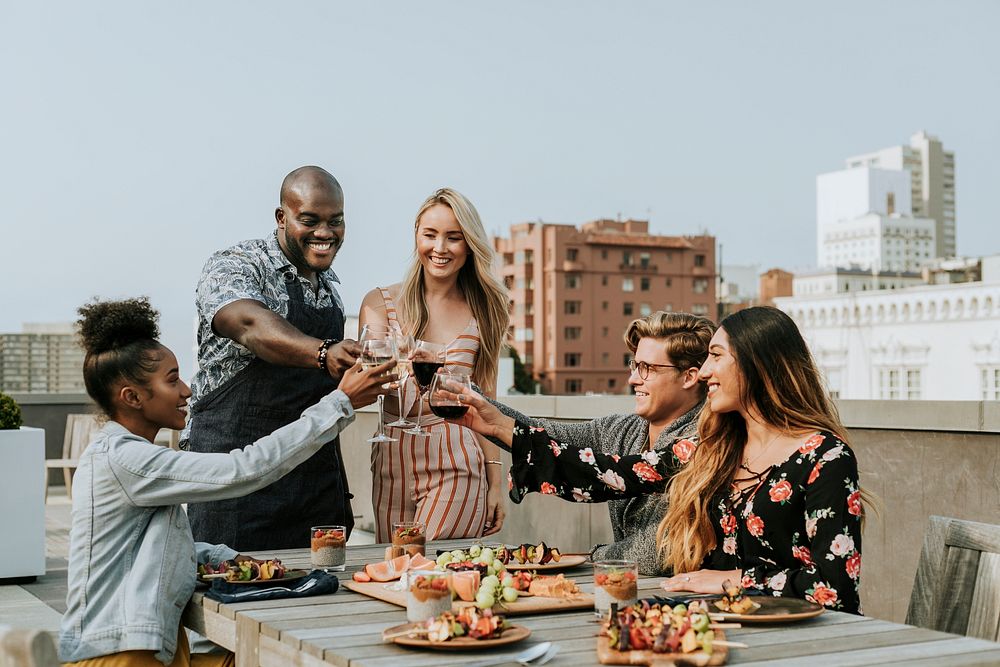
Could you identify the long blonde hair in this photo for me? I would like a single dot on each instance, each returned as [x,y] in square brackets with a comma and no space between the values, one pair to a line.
[483,292]
[781,384]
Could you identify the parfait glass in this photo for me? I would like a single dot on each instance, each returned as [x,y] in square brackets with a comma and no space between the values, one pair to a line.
[377,349]
[426,359]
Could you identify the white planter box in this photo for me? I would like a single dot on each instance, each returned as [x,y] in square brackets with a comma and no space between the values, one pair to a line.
[22,497]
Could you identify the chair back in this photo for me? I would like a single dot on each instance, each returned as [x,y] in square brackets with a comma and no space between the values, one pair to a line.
[80,429]
[26,648]
[957,587]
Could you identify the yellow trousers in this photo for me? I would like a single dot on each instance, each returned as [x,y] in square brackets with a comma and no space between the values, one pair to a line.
[182,658]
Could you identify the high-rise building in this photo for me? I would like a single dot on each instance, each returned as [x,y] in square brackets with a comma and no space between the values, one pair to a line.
[932,182]
[574,291]
[43,358]
[864,220]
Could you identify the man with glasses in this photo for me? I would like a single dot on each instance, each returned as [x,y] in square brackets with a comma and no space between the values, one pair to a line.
[668,349]
[270,344]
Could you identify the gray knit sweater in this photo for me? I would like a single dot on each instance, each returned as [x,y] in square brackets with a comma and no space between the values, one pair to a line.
[634,520]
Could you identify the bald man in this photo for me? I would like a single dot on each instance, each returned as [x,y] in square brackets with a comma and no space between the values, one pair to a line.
[270,344]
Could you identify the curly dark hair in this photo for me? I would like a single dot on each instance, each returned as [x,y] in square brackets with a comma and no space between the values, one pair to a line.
[119,338]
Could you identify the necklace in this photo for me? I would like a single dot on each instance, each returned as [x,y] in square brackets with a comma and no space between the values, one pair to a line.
[746,462]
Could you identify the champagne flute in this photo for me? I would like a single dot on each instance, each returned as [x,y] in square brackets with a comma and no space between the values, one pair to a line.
[444,386]
[426,359]
[404,347]
[376,351]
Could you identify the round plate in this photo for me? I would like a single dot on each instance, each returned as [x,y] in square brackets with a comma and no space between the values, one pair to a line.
[511,635]
[773,610]
[564,563]
[290,575]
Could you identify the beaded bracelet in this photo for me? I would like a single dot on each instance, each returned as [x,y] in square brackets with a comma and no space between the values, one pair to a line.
[324,349]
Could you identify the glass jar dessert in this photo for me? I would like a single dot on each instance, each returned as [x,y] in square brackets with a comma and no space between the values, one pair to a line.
[428,595]
[327,547]
[408,537]
[615,581]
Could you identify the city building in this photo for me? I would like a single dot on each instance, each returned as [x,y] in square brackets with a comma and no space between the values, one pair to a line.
[928,342]
[574,290]
[43,358]
[932,183]
[864,219]
[833,281]
[775,283]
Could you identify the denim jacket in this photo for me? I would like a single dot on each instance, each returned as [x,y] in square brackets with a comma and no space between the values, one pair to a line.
[132,560]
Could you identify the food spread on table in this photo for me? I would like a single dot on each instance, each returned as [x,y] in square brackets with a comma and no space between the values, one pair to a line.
[643,626]
[391,570]
[735,600]
[469,622]
[528,554]
[248,570]
[409,540]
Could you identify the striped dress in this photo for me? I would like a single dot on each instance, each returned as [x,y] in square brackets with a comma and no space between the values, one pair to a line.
[440,480]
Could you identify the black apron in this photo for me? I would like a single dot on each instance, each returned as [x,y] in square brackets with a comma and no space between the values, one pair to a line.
[260,399]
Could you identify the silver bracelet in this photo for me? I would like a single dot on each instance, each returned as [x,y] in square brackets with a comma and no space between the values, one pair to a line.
[496,463]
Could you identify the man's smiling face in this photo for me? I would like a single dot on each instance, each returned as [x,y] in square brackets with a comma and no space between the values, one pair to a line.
[311,226]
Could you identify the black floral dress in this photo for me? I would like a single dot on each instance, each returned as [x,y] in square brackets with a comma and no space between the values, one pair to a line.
[796,532]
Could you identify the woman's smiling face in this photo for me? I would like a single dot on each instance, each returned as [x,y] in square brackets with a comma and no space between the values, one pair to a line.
[722,375]
[441,244]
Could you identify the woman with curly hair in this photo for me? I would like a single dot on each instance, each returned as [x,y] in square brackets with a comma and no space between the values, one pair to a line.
[772,482]
[451,480]
[132,560]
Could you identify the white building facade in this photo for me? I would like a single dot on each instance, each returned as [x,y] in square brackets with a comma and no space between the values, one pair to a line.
[833,281]
[935,342]
[932,182]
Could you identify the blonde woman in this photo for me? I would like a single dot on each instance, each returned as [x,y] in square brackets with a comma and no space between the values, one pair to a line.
[450,481]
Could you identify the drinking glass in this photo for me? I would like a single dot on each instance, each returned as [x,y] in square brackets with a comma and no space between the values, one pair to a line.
[404,346]
[426,359]
[376,350]
[444,387]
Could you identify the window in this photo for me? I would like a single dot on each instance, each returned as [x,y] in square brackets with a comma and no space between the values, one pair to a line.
[699,260]
[572,307]
[604,332]
[699,309]
[899,383]
[571,359]
[529,256]
[604,305]
[989,383]
[605,358]
[700,285]
[644,284]
[627,285]
[669,307]
[644,309]
[627,308]
[524,334]
[572,280]
[604,281]
[571,254]
[611,383]
[644,260]
[626,359]
[572,333]
[669,282]
[574,386]
[627,258]
[604,254]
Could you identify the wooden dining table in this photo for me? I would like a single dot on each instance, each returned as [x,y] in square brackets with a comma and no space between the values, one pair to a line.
[345,629]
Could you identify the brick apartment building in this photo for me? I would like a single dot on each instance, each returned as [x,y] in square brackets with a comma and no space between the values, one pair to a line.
[574,290]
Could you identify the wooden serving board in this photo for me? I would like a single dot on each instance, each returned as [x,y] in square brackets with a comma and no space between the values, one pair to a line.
[608,656]
[524,605]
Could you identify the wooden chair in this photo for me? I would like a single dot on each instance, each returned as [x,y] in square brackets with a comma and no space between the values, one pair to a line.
[957,587]
[79,431]
[26,648]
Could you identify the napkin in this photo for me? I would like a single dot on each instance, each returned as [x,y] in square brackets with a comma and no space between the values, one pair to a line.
[316,582]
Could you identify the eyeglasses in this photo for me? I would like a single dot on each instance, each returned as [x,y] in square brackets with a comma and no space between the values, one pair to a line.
[643,367]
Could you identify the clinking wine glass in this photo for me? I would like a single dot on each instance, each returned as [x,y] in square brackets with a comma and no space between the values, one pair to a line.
[426,359]
[404,347]
[376,351]
[445,397]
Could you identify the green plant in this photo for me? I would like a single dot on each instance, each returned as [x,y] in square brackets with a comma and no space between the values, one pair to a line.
[10,413]
[523,381]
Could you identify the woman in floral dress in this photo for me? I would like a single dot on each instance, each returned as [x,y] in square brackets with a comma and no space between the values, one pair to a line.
[769,496]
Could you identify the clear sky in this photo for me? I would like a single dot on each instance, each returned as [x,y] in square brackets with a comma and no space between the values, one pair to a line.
[136,138]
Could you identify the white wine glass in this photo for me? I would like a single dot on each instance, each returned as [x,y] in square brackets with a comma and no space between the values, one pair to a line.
[376,351]
[404,347]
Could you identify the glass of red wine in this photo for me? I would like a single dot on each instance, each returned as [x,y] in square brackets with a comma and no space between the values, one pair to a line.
[426,359]
[445,399]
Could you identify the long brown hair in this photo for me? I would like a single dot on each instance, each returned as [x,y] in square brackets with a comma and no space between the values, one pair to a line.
[782,386]
[485,294]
